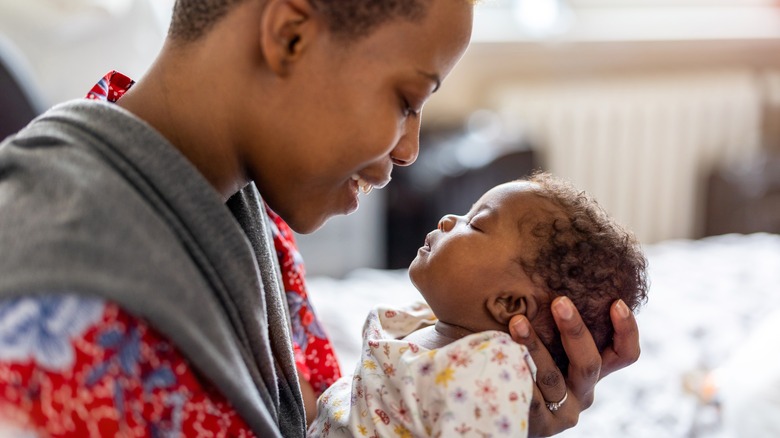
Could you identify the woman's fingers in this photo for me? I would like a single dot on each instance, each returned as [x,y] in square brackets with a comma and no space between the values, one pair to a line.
[550,385]
[542,422]
[584,358]
[625,343]
[549,379]
[586,365]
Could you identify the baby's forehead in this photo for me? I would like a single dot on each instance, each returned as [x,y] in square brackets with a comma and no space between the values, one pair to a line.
[516,197]
[518,186]
[522,203]
[504,193]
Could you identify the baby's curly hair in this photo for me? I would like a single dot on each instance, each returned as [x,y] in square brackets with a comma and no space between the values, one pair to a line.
[346,18]
[587,256]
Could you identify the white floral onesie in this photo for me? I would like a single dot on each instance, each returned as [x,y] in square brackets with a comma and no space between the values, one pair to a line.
[480,385]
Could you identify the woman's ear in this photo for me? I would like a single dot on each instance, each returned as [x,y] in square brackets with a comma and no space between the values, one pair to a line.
[287,28]
[503,306]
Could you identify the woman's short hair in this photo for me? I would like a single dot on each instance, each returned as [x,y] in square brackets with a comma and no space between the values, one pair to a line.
[346,18]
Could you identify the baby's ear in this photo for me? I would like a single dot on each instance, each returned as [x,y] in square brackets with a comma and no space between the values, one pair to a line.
[503,306]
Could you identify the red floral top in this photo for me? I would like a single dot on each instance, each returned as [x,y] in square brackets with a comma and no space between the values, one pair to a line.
[72,366]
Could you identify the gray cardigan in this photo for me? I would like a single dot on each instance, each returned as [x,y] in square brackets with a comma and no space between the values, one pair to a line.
[96,202]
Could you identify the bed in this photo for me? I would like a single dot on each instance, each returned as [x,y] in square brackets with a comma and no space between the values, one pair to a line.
[705,298]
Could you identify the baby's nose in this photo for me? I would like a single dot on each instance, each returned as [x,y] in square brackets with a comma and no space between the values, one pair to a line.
[447,222]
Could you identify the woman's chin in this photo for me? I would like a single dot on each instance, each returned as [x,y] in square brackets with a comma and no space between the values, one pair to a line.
[307,224]
[313,222]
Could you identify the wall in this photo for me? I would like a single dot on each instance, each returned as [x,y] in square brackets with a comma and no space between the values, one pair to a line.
[640,124]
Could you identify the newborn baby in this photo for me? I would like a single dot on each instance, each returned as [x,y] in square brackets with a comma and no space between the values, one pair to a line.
[452,368]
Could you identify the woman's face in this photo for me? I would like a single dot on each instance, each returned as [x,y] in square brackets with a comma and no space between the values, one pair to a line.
[353,110]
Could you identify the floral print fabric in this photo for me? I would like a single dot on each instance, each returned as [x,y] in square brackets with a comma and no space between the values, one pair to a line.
[110,87]
[78,367]
[480,385]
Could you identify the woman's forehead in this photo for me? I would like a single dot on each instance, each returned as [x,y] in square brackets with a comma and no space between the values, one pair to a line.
[431,45]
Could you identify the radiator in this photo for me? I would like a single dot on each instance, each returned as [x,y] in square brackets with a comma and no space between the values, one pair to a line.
[642,146]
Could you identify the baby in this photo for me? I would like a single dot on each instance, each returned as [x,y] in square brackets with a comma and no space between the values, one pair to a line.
[521,245]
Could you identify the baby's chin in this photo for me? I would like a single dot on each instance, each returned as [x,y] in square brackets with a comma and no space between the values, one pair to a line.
[415,269]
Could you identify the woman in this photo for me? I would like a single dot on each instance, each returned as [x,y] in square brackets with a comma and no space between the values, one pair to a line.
[135,302]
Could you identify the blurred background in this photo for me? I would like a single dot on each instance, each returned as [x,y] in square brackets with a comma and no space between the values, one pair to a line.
[667,111]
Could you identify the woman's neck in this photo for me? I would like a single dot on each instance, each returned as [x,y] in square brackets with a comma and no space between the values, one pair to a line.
[192,127]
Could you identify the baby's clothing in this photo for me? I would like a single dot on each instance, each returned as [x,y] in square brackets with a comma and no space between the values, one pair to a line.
[480,385]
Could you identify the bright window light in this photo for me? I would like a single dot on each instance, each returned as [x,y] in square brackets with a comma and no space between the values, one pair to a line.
[538,16]
[626,20]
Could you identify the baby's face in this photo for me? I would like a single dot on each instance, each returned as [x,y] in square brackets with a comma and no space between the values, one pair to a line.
[471,258]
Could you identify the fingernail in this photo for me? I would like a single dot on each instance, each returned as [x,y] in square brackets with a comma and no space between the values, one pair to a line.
[563,308]
[521,328]
[622,309]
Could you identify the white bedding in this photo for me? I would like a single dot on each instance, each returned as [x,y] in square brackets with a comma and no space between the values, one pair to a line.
[705,297]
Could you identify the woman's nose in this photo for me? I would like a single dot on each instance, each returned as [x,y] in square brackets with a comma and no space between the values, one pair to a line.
[448,222]
[408,147]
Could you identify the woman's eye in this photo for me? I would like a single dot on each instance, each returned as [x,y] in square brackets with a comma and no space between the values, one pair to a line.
[474,226]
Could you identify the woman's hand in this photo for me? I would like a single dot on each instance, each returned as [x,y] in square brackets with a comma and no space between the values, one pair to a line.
[586,365]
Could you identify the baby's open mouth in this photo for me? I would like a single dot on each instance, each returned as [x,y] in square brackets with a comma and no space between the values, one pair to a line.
[427,244]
